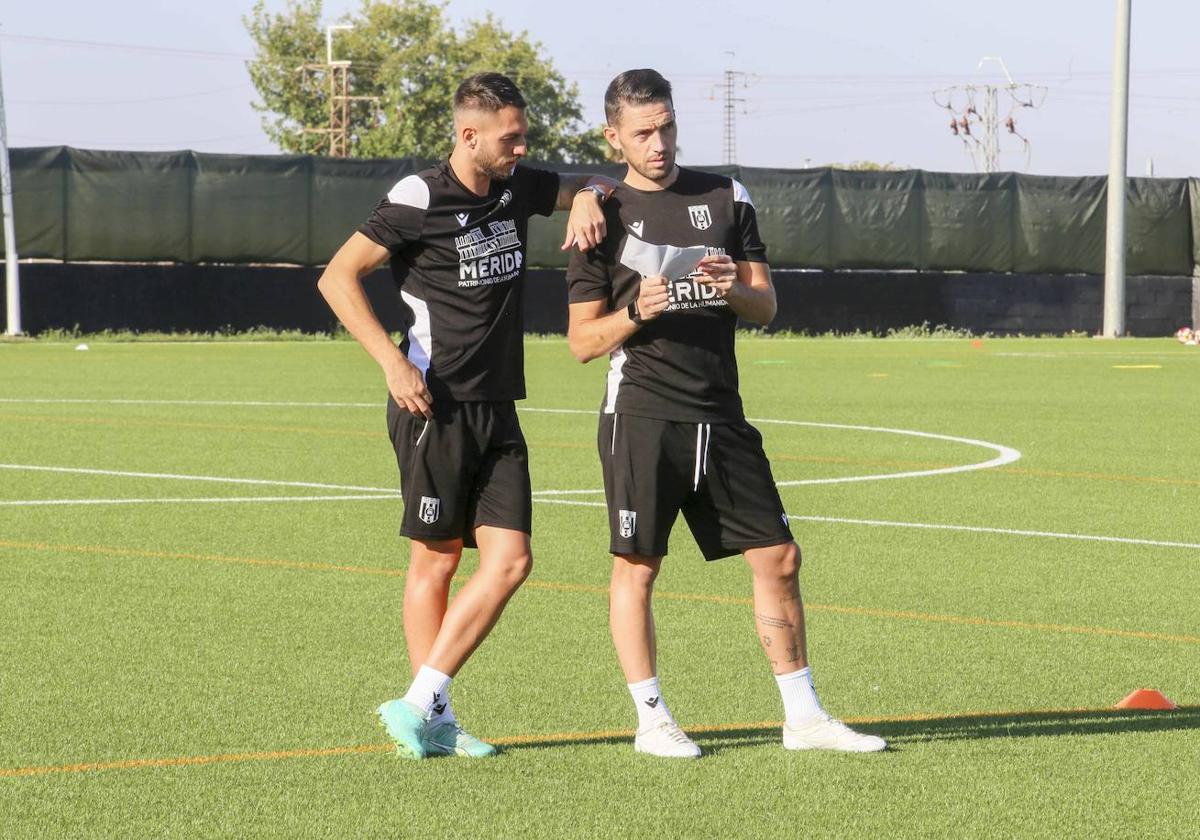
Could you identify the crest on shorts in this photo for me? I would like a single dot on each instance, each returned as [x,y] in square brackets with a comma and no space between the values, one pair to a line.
[430,510]
[701,217]
[627,519]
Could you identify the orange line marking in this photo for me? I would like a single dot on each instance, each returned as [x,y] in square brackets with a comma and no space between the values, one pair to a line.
[559,586]
[519,740]
[211,558]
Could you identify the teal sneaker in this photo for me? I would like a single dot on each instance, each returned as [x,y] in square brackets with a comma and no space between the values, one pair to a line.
[405,724]
[451,739]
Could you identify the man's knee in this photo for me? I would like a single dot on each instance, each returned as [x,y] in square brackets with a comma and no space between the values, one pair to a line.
[634,573]
[434,560]
[513,569]
[781,562]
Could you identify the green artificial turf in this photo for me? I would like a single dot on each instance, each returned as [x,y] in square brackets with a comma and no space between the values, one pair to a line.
[237,649]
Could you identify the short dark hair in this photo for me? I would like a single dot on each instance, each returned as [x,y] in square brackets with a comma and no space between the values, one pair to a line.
[488,92]
[635,87]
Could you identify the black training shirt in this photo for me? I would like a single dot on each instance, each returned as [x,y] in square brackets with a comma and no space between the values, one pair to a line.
[681,365]
[458,261]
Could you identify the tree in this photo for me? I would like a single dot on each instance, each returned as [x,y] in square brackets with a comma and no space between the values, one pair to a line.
[407,55]
[868,166]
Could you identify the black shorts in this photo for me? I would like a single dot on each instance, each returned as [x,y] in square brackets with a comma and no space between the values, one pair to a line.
[466,467]
[717,474]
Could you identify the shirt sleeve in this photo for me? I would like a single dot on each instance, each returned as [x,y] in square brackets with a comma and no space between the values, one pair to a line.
[749,246]
[540,186]
[398,219]
[588,276]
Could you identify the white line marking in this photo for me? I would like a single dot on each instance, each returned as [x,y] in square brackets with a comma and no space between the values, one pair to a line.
[570,502]
[970,529]
[185,500]
[213,478]
[1015,532]
[1006,454]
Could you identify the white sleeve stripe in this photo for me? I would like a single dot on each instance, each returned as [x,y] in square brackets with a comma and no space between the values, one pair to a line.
[411,191]
[740,193]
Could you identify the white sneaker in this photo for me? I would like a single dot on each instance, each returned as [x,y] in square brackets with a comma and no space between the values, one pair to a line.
[667,740]
[826,733]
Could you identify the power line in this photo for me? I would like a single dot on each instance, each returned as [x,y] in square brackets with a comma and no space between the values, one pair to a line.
[86,102]
[975,115]
[110,45]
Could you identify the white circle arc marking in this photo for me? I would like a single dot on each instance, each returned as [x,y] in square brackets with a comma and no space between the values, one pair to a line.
[1004,454]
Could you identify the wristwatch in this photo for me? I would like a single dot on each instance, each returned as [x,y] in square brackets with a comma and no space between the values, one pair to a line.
[600,192]
[633,313]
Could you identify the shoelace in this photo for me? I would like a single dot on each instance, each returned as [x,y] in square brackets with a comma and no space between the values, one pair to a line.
[674,732]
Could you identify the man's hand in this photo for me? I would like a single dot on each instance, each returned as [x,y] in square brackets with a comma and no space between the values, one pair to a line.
[720,274]
[585,226]
[653,298]
[407,387]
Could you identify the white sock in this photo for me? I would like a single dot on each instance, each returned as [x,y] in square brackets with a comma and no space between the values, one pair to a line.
[800,703]
[651,708]
[430,691]
[446,715]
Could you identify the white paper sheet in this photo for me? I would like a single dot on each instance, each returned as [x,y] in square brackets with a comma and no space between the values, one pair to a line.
[668,261]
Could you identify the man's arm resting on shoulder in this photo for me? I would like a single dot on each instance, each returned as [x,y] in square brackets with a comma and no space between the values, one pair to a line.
[584,196]
[745,286]
[592,330]
[341,286]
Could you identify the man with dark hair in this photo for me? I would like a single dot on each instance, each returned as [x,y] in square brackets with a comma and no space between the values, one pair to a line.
[673,436]
[455,235]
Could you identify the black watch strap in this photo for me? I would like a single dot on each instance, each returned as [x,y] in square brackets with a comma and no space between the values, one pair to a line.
[633,313]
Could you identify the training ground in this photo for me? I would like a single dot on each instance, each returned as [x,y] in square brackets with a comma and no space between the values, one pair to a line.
[200,589]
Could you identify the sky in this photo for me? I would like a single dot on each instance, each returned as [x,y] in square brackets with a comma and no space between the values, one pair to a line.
[826,81]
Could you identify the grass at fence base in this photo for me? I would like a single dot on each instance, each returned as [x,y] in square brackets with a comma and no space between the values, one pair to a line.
[213,666]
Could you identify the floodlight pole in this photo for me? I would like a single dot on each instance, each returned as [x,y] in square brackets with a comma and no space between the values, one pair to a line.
[1114,243]
[12,277]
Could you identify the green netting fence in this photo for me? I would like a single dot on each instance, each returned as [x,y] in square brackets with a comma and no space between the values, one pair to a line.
[80,205]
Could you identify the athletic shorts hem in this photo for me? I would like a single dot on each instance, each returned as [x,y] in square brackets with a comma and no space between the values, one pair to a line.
[506,526]
[730,549]
[613,550]
[412,535]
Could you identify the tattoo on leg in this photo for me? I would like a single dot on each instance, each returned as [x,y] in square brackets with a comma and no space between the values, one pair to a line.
[771,621]
[793,653]
[789,597]
[766,640]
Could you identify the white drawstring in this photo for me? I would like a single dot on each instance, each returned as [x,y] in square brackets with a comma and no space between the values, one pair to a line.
[421,436]
[613,448]
[703,435]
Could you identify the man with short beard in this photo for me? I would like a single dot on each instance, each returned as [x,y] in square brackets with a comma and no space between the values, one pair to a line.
[455,235]
[673,436]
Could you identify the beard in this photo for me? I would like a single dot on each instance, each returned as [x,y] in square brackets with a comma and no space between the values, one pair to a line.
[655,173]
[494,167]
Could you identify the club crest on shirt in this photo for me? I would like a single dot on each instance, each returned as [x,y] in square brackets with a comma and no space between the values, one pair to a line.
[430,510]
[627,519]
[700,215]
[463,218]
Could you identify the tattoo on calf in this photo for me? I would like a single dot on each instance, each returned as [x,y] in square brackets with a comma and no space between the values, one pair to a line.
[771,621]
[766,640]
[793,653]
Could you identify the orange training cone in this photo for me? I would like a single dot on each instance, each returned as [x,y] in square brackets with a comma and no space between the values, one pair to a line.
[1146,698]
